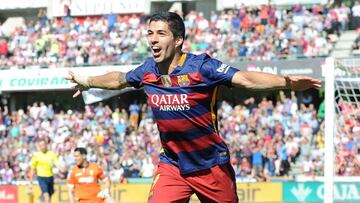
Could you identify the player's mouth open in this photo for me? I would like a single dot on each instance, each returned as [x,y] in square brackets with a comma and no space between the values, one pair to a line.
[156,51]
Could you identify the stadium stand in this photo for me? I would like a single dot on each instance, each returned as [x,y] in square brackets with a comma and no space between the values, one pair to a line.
[264,33]
[266,139]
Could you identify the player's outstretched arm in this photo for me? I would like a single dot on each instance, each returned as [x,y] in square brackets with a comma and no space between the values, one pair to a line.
[111,80]
[267,81]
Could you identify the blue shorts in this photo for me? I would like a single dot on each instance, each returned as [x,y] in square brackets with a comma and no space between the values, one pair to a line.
[46,184]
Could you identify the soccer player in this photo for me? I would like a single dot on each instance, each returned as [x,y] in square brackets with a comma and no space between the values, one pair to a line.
[42,163]
[84,178]
[182,91]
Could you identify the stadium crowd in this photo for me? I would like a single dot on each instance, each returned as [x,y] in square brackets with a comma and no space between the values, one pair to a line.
[246,33]
[266,139]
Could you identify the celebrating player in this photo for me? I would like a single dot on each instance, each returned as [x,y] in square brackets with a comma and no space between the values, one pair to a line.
[84,178]
[182,91]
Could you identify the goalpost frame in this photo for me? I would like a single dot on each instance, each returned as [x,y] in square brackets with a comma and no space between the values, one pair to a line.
[329,130]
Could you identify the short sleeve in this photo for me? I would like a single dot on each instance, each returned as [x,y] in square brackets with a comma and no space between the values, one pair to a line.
[135,76]
[71,179]
[217,73]
[101,175]
[33,161]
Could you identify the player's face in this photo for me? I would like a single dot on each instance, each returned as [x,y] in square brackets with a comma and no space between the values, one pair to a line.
[42,146]
[79,158]
[162,42]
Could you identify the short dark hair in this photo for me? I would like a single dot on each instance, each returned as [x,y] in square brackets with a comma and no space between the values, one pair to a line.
[81,150]
[176,23]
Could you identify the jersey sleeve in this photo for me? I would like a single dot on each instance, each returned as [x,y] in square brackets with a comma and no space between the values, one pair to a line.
[71,179]
[135,76]
[216,73]
[101,175]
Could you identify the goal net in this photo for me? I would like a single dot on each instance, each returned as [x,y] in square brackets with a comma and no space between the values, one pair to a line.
[342,120]
[347,94]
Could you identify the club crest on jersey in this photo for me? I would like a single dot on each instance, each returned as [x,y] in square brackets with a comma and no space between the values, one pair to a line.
[166,81]
[183,80]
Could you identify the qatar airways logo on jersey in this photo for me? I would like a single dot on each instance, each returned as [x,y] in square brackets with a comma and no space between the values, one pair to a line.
[170,102]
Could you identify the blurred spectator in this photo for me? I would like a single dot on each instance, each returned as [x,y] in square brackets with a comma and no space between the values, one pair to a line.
[134,114]
[356,44]
[3,48]
[257,159]
[343,14]
[356,15]
[7,174]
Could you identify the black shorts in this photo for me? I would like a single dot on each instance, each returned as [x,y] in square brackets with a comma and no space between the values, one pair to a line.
[46,184]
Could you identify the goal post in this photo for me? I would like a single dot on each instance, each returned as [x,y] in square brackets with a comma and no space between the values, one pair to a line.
[329,130]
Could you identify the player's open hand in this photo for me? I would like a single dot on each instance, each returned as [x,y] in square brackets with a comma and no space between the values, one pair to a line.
[79,82]
[301,83]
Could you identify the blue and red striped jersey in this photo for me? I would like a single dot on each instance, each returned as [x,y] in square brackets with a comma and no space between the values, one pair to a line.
[184,106]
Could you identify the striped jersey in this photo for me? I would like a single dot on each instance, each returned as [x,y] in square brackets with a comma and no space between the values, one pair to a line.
[184,107]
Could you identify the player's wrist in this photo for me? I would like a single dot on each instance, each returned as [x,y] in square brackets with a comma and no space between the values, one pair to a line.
[82,80]
[105,193]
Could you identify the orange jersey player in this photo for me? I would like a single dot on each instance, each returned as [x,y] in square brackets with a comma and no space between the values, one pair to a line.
[84,178]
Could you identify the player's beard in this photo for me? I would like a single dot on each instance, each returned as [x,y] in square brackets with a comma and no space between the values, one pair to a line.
[81,164]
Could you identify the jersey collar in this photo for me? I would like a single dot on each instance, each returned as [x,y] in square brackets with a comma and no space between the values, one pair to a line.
[182,59]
